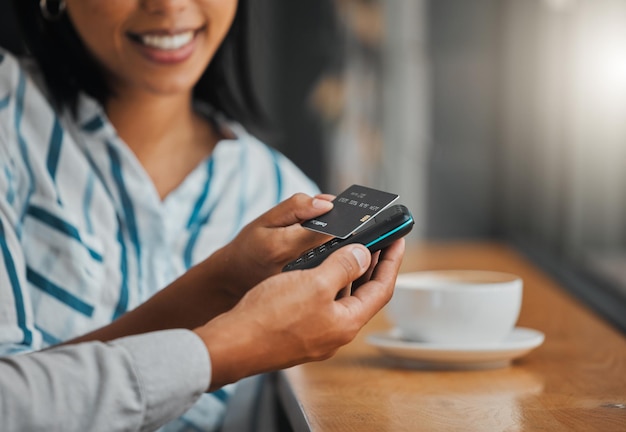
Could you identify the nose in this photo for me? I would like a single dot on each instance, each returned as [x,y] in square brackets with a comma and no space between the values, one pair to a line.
[163,7]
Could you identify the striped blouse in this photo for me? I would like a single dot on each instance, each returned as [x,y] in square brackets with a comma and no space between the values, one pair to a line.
[84,235]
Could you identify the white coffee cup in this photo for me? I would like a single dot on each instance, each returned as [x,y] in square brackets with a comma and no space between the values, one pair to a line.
[465,307]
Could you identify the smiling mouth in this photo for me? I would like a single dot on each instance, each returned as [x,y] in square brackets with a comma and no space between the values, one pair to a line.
[165,42]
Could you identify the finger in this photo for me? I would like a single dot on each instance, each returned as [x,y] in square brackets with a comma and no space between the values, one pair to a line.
[395,253]
[368,274]
[373,295]
[327,197]
[296,209]
[342,267]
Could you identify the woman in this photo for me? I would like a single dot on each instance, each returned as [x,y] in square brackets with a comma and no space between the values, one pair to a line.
[124,164]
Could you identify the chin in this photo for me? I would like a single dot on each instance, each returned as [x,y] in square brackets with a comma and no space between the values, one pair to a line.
[170,87]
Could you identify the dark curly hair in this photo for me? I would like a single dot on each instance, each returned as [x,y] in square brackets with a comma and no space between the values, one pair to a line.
[69,68]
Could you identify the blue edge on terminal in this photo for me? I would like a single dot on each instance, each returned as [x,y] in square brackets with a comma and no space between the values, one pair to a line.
[389,233]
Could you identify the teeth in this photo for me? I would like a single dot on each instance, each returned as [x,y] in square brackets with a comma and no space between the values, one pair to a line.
[167,42]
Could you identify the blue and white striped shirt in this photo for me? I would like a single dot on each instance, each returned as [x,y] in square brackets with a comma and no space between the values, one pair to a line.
[84,235]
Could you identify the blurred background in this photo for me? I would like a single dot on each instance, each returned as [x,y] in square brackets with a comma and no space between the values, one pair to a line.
[493,119]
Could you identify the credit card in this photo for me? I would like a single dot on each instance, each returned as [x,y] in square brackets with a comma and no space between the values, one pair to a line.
[352,209]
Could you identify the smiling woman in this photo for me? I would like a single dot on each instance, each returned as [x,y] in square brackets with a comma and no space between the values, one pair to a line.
[126,161]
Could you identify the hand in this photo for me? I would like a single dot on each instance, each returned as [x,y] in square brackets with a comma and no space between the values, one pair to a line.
[264,246]
[293,317]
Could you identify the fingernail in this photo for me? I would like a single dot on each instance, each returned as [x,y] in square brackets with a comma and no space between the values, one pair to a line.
[322,204]
[360,256]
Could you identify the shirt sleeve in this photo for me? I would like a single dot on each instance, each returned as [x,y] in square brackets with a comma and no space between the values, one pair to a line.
[133,383]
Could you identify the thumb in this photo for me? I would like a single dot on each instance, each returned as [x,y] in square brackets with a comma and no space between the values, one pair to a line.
[296,209]
[343,267]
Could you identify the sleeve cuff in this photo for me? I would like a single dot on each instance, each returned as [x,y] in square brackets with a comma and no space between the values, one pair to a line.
[173,369]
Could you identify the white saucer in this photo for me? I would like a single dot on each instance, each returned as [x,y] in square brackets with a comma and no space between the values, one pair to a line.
[445,356]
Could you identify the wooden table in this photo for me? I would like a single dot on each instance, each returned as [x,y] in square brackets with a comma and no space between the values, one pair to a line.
[575,381]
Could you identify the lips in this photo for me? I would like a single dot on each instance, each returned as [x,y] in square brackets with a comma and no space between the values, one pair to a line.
[165,46]
[165,39]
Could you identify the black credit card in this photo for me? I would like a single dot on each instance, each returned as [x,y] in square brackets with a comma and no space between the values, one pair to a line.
[352,209]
